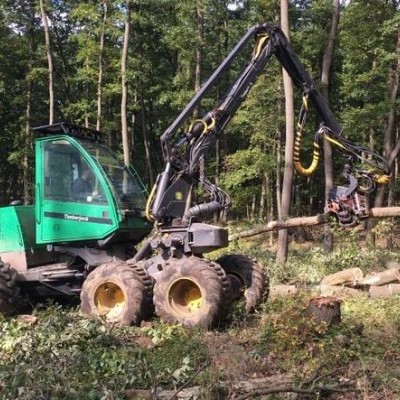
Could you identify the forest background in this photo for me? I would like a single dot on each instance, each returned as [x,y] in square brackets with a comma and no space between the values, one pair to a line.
[128,68]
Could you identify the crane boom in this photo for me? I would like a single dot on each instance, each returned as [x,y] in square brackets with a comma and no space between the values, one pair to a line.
[184,154]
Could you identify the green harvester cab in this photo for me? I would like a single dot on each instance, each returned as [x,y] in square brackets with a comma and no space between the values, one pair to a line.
[88,210]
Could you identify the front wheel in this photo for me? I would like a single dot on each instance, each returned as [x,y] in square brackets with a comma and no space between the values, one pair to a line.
[191,291]
[117,292]
[9,291]
[247,277]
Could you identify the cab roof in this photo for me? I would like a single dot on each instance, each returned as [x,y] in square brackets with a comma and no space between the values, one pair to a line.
[66,128]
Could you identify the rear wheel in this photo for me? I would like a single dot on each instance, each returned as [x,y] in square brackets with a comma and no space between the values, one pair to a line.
[247,277]
[9,291]
[118,293]
[191,291]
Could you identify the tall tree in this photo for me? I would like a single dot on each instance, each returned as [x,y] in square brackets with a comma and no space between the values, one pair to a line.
[368,66]
[199,48]
[282,249]
[28,107]
[102,32]
[49,59]
[390,148]
[327,61]
[124,85]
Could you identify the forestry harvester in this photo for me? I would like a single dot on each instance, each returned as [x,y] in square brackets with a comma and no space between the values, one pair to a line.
[91,211]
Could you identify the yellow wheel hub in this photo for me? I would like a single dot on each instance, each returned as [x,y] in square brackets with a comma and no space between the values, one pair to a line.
[109,300]
[185,297]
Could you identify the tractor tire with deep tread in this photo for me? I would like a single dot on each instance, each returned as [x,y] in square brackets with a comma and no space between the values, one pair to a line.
[9,291]
[248,279]
[148,305]
[118,293]
[192,291]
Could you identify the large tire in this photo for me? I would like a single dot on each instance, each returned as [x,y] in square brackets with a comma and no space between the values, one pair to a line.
[192,291]
[118,293]
[9,291]
[248,279]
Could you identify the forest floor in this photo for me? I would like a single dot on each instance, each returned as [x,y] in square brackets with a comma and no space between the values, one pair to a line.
[277,353]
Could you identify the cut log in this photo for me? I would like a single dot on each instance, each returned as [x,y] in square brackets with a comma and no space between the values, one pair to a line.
[384,212]
[342,292]
[350,275]
[392,265]
[384,291]
[377,212]
[277,225]
[283,290]
[325,309]
[381,278]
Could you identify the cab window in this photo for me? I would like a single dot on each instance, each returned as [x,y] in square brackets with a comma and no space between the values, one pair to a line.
[67,175]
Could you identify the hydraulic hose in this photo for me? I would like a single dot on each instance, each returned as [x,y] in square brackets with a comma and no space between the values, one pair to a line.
[202,210]
[297,143]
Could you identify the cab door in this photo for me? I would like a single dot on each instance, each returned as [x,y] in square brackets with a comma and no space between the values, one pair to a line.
[67,210]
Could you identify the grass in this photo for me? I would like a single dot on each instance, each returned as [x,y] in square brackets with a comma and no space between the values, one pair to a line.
[63,355]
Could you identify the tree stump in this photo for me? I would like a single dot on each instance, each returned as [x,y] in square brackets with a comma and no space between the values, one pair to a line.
[325,309]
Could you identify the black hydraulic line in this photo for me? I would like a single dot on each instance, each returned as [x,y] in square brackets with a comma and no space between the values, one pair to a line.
[162,184]
[202,210]
[144,252]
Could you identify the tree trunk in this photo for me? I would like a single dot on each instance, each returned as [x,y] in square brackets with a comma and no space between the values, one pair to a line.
[147,144]
[28,109]
[325,80]
[124,85]
[28,145]
[263,197]
[199,50]
[253,207]
[278,181]
[270,211]
[64,60]
[378,212]
[282,250]
[101,60]
[87,109]
[49,61]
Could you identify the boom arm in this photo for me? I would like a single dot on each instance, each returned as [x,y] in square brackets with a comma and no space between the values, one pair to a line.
[184,156]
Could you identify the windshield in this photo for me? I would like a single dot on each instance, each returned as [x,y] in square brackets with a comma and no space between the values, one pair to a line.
[124,182]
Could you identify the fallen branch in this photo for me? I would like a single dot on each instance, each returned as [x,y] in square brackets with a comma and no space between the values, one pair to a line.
[317,384]
[187,393]
[378,212]
[293,389]
[174,396]
[314,385]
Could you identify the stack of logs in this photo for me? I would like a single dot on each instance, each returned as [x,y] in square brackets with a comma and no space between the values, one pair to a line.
[352,283]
